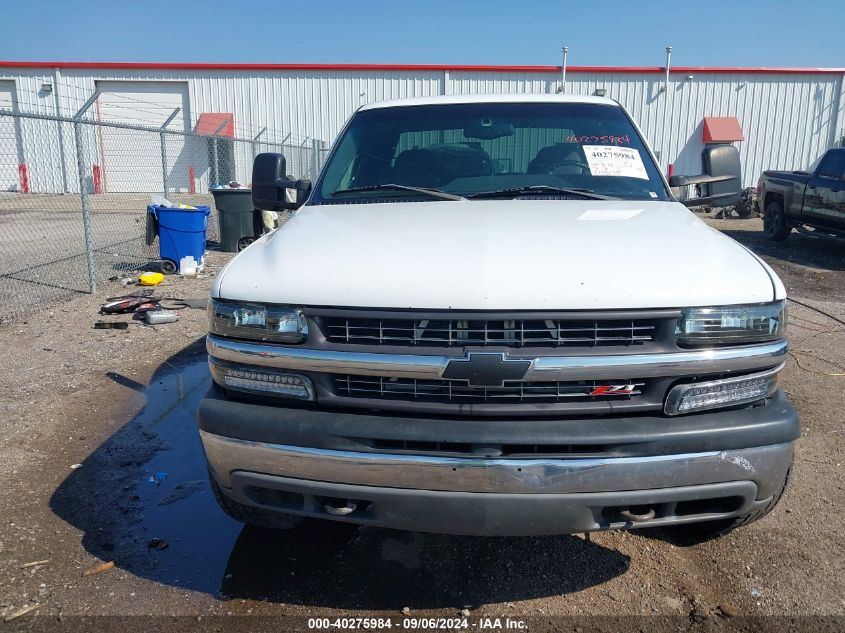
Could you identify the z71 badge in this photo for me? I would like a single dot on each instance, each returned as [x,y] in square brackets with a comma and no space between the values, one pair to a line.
[613,390]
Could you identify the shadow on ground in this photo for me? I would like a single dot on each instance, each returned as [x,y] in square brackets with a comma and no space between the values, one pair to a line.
[142,500]
[824,253]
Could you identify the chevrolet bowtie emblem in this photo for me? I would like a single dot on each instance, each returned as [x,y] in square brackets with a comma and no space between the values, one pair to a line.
[486,370]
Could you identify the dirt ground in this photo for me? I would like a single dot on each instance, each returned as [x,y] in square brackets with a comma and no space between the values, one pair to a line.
[101,463]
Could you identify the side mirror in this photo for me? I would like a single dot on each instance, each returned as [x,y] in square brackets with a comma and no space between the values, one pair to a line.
[721,182]
[684,181]
[269,184]
[713,200]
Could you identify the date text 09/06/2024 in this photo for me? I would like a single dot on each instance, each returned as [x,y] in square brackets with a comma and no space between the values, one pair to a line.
[415,624]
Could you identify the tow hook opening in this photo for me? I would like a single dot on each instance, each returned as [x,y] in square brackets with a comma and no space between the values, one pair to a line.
[637,514]
[342,507]
[718,507]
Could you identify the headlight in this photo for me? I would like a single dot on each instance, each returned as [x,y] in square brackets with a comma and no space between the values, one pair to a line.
[275,324]
[731,325]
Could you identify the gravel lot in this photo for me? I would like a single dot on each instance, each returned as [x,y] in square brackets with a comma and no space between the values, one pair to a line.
[120,405]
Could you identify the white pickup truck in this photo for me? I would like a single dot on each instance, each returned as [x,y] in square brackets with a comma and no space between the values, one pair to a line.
[489,315]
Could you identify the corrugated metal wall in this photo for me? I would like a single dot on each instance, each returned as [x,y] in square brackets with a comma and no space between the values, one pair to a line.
[788,119]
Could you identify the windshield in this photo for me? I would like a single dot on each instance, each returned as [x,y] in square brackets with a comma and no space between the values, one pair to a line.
[480,148]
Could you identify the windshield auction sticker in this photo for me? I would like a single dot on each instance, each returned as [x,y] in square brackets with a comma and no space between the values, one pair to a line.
[609,160]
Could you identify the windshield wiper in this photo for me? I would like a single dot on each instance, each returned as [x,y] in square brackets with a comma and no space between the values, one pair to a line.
[543,190]
[431,193]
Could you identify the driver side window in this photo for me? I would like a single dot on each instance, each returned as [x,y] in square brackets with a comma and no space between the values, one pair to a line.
[833,166]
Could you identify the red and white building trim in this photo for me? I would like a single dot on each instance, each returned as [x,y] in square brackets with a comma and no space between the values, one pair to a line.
[788,116]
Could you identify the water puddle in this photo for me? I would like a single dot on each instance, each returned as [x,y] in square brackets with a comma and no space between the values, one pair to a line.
[142,499]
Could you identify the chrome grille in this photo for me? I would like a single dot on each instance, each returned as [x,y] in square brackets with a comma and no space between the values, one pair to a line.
[458,391]
[510,332]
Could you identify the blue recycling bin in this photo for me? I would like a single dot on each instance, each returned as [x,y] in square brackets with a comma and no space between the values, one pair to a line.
[181,232]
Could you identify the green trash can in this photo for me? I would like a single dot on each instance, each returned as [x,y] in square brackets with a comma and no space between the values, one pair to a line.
[240,224]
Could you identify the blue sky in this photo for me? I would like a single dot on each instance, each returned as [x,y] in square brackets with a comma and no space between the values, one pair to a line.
[598,32]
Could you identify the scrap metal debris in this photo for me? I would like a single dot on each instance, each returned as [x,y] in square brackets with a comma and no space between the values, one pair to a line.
[157,317]
[35,563]
[123,305]
[98,569]
[158,544]
[153,310]
[107,325]
[21,612]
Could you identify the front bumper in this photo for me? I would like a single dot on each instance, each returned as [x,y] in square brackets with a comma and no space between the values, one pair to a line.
[688,469]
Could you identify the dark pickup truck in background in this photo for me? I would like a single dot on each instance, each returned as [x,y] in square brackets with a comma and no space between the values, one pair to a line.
[812,201]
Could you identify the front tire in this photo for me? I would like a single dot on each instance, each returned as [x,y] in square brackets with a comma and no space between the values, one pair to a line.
[775,224]
[252,516]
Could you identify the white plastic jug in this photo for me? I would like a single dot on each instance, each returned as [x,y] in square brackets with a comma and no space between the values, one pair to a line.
[188,266]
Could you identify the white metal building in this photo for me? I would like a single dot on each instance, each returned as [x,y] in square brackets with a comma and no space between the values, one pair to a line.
[788,116]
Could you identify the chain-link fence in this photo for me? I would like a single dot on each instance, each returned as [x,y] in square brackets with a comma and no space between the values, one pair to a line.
[74,195]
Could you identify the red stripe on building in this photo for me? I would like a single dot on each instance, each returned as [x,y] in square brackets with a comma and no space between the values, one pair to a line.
[425,67]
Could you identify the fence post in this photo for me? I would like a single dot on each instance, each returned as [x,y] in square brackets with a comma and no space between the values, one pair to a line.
[315,158]
[256,142]
[216,180]
[164,150]
[83,192]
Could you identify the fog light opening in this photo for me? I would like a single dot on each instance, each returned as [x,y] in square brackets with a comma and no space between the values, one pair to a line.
[699,396]
[262,381]
[719,505]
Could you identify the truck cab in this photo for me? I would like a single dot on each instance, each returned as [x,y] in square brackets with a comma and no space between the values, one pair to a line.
[808,200]
[490,316]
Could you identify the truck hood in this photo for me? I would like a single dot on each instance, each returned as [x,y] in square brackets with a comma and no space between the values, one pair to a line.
[498,255]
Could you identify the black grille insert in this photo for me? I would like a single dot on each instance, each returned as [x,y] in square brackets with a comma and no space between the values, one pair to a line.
[458,391]
[510,332]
